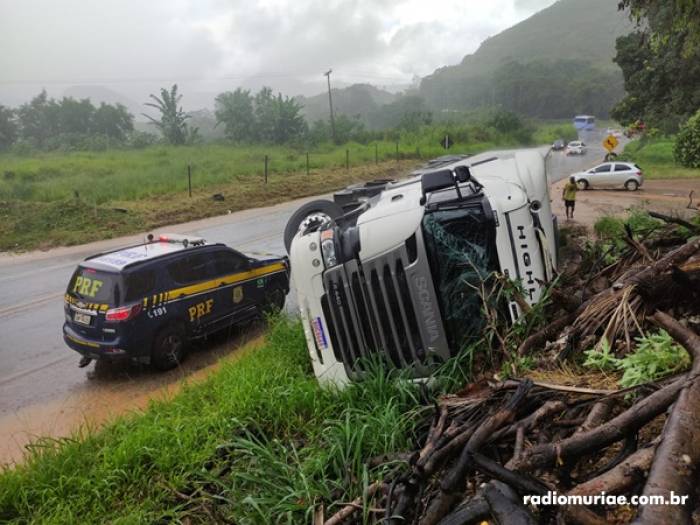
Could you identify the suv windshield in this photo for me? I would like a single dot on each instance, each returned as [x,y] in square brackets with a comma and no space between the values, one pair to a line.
[94,286]
[461,246]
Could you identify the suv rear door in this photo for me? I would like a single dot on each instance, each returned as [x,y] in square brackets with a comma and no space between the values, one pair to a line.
[89,295]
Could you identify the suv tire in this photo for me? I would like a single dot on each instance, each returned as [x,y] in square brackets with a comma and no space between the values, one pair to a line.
[321,208]
[631,185]
[274,302]
[169,347]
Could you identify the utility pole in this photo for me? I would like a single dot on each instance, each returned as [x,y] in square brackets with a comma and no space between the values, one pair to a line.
[330,103]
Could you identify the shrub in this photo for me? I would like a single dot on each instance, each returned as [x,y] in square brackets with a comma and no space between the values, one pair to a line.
[687,148]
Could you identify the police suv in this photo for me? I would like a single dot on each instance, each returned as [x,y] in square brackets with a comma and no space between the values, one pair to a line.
[145,302]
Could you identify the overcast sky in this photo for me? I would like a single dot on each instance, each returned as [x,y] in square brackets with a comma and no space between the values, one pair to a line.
[210,45]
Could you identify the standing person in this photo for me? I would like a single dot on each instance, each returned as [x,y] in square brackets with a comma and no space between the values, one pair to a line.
[569,196]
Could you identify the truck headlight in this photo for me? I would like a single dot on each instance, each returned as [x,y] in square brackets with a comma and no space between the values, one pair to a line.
[328,248]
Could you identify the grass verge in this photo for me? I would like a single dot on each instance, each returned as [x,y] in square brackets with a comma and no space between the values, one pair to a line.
[28,224]
[655,156]
[289,445]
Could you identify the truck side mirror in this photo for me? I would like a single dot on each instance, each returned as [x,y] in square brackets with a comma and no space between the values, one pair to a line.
[438,180]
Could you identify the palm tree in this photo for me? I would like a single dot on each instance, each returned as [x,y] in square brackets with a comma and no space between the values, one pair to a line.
[172,122]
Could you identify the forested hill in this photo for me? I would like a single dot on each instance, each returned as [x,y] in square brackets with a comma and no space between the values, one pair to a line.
[356,100]
[556,62]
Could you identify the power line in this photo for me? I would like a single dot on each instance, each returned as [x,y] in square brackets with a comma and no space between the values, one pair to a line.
[133,80]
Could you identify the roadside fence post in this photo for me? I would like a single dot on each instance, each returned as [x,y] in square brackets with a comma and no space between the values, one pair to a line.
[307,162]
[266,161]
[189,178]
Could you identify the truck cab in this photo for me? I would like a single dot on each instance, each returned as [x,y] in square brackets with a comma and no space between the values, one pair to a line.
[393,270]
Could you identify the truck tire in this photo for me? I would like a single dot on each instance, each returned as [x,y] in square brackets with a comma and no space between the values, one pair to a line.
[582,184]
[311,211]
[169,347]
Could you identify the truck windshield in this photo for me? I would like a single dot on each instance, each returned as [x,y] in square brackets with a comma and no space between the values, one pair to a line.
[461,246]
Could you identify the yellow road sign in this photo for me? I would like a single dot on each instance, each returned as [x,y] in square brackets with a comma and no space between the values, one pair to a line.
[610,142]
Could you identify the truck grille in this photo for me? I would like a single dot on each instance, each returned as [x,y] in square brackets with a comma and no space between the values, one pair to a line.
[371,316]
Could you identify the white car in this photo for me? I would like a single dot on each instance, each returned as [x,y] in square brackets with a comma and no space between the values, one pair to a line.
[611,175]
[575,147]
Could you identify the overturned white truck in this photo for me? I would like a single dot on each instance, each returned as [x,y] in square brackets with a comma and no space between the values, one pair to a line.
[394,269]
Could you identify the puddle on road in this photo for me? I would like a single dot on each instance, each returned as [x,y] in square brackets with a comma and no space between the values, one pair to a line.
[113,390]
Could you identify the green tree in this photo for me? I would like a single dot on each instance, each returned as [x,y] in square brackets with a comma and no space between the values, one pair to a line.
[38,119]
[8,127]
[687,147]
[235,111]
[289,124]
[75,116]
[113,121]
[660,63]
[264,108]
[173,120]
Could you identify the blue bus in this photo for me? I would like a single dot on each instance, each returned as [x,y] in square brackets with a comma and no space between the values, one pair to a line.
[584,122]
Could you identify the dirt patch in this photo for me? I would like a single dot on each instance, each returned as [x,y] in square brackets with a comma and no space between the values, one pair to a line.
[669,195]
[113,391]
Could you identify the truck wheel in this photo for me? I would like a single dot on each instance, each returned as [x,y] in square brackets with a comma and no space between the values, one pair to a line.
[582,184]
[169,347]
[310,213]
[631,185]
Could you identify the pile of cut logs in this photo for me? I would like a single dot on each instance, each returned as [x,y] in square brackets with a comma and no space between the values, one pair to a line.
[487,448]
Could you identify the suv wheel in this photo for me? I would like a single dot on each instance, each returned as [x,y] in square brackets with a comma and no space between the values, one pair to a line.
[309,214]
[169,347]
[274,302]
[631,185]
[582,184]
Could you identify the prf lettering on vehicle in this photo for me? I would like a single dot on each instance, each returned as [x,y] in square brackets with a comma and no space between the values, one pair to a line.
[87,287]
[200,309]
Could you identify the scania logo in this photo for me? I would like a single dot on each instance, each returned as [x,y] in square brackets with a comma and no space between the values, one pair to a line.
[335,294]
[427,309]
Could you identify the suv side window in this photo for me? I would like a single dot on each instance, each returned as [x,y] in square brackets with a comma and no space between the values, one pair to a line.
[228,262]
[621,167]
[139,284]
[190,269]
[603,169]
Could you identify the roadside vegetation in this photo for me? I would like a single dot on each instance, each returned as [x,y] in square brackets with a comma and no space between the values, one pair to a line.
[287,446]
[63,197]
[656,158]
[261,442]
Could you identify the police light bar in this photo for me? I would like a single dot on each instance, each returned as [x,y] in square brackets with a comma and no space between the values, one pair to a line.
[176,238]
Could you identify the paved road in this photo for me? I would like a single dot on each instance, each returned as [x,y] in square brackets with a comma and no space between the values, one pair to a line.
[36,366]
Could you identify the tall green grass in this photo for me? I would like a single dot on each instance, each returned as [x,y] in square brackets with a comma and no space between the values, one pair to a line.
[655,157]
[259,434]
[127,175]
